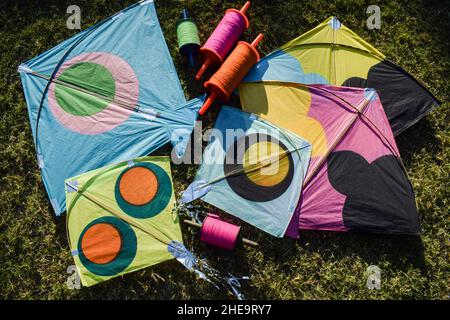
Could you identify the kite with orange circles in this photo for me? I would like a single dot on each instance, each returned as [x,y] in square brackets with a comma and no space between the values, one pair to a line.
[120,218]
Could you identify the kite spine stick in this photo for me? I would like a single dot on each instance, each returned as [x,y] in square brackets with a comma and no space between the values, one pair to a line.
[255,167]
[333,56]
[373,126]
[335,142]
[148,113]
[81,89]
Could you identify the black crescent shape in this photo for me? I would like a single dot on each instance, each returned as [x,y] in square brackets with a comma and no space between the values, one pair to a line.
[398,91]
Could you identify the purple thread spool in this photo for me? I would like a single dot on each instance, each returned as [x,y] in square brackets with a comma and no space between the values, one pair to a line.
[224,37]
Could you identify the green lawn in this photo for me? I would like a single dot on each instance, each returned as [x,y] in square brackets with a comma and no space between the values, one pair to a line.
[34,253]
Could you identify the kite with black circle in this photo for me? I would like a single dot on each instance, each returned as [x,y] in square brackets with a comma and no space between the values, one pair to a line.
[253,170]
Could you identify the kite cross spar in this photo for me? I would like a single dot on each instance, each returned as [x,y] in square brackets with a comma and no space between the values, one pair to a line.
[231,73]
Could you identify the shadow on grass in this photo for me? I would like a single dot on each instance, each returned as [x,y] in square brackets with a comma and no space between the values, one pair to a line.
[420,136]
[401,251]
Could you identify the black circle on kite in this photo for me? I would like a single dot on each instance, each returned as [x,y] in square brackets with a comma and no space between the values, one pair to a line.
[143,190]
[379,197]
[107,246]
[247,180]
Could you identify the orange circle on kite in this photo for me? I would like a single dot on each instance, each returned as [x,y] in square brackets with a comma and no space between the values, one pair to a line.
[138,186]
[101,243]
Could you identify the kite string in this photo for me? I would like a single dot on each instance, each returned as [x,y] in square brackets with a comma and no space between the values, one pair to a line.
[219,233]
[226,33]
[116,101]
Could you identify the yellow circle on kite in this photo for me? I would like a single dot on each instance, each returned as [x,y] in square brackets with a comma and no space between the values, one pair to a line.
[266,163]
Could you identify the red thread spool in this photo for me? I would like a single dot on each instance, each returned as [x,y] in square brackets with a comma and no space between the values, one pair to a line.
[231,73]
[226,34]
[219,233]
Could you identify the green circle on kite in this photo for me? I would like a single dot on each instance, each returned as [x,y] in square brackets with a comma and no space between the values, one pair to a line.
[158,202]
[88,89]
[124,257]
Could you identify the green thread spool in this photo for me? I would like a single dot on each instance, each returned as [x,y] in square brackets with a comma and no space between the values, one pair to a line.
[188,39]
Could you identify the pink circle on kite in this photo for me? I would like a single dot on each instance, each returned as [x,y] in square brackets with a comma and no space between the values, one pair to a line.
[124,102]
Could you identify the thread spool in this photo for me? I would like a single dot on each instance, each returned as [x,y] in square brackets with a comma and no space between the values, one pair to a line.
[220,233]
[188,39]
[231,73]
[222,40]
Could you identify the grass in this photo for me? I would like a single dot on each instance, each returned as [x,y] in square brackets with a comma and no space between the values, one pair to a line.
[34,253]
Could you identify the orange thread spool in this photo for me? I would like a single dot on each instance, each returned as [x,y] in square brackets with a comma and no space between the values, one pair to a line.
[231,73]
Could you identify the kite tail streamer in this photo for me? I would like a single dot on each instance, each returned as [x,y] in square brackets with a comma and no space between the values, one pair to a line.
[189,210]
[229,281]
[205,271]
[234,283]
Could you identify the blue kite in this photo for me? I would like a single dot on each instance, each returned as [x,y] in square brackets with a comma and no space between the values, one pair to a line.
[108,94]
